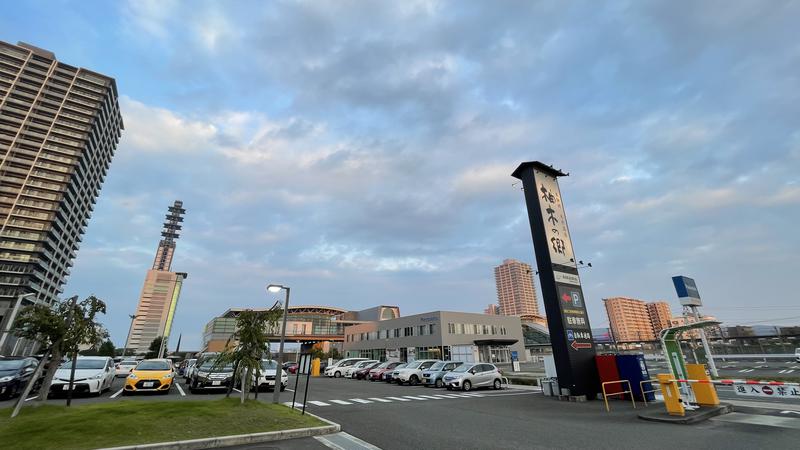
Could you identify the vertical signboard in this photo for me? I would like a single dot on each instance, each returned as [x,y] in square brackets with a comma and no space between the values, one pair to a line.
[687,291]
[564,303]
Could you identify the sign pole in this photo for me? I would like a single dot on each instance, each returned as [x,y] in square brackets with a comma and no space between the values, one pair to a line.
[567,320]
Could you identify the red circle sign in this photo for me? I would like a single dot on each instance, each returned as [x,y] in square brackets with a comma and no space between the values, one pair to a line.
[767,390]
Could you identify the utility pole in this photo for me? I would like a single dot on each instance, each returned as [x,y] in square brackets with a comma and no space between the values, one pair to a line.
[125,349]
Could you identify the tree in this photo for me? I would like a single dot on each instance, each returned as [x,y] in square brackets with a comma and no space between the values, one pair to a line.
[252,340]
[334,353]
[107,349]
[61,329]
[155,346]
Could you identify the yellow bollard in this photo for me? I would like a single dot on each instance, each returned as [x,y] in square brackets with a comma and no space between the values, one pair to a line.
[672,399]
[705,393]
[315,367]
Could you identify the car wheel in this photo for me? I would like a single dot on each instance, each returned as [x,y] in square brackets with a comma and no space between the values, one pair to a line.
[467,386]
[283,388]
[414,380]
[497,384]
[439,384]
[337,374]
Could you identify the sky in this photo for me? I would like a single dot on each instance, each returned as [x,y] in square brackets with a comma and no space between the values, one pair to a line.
[361,151]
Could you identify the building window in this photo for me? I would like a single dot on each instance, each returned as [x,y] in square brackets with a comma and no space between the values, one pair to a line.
[451,328]
[397,332]
[432,328]
[408,331]
[421,330]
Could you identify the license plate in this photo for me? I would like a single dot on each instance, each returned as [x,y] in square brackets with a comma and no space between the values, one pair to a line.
[65,387]
[216,383]
[148,384]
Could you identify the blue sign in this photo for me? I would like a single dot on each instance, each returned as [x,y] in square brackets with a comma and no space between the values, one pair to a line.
[570,335]
[685,287]
[514,356]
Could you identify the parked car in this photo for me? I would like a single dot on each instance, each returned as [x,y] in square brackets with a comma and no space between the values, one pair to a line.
[93,375]
[15,372]
[361,374]
[473,375]
[150,375]
[188,371]
[378,372]
[433,376]
[389,375]
[184,365]
[209,374]
[266,380]
[123,368]
[412,373]
[351,371]
[337,369]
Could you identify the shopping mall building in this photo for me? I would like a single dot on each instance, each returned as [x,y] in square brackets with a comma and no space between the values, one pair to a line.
[438,335]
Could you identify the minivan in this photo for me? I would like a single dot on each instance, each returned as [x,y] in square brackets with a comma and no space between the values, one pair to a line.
[339,367]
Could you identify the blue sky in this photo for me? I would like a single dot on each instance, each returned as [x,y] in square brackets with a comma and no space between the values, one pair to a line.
[361,152]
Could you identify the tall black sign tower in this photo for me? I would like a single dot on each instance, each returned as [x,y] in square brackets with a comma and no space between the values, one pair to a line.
[570,332]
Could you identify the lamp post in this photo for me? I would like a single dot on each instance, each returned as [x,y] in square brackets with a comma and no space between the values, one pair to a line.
[274,288]
[9,322]
[125,349]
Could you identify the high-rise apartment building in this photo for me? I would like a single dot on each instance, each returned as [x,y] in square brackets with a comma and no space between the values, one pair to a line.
[161,290]
[629,319]
[59,128]
[660,316]
[515,292]
[492,309]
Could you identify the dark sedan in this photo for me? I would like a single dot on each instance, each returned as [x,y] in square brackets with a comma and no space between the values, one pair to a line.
[15,371]
[361,374]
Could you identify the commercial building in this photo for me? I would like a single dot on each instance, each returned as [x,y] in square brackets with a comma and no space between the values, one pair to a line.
[629,319]
[59,128]
[711,332]
[515,291]
[438,335]
[660,316]
[492,309]
[159,298]
[310,326]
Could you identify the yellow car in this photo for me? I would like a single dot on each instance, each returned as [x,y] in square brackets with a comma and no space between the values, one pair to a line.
[150,375]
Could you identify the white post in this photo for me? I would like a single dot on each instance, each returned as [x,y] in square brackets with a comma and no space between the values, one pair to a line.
[709,357]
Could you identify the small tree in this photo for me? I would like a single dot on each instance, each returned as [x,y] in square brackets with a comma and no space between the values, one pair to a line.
[252,340]
[155,346]
[107,349]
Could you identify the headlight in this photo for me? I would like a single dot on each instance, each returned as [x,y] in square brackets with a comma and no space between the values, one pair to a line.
[99,376]
[202,374]
[4,379]
[132,376]
[169,375]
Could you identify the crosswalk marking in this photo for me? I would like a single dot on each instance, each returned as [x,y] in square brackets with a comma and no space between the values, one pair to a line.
[340,402]
[382,400]
[405,398]
[430,396]
[446,396]
[474,395]
[359,400]
[318,403]
[746,370]
[400,399]
[411,397]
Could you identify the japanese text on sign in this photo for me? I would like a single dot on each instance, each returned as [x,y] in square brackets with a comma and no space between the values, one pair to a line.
[555,222]
[755,390]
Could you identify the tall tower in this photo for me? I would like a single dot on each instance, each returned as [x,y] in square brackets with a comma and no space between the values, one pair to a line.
[515,292]
[59,129]
[161,289]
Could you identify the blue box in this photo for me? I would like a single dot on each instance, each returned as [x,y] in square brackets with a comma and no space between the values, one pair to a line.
[634,369]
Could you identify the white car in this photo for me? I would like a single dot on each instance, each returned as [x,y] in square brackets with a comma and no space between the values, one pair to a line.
[351,371]
[338,368]
[93,375]
[123,368]
[267,376]
[412,373]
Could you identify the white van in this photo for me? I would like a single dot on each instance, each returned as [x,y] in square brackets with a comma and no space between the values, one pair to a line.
[339,367]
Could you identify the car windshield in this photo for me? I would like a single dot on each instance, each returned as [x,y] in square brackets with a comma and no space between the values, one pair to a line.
[463,368]
[85,364]
[268,364]
[153,365]
[127,363]
[383,365]
[209,365]
[414,365]
[400,366]
[11,364]
[437,366]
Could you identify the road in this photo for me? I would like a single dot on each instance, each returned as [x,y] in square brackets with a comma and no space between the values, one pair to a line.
[402,417]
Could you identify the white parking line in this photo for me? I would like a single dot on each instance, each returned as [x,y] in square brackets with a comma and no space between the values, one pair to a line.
[237,390]
[359,400]
[116,394]
[340,402]
[446,395]
[411,397]
[180,389]
[318,403]
[399,399]
[382,400]
[31,398]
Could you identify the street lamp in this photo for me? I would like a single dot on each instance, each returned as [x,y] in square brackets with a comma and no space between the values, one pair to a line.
[275,288]
[125,349]
[11,318]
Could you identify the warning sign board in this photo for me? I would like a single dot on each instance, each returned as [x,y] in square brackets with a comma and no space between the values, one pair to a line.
[756,390]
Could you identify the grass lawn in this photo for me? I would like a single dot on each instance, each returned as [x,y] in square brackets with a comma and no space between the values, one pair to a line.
[134,422]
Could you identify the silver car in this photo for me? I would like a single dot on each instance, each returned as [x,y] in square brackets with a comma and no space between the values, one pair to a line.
[473,375]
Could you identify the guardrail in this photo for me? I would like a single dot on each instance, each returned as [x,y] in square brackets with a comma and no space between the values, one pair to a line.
[606,394]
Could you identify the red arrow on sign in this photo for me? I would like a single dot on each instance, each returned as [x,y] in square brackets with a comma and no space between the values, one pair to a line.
[578,345]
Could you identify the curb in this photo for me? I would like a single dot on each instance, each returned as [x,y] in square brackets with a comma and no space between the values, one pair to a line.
[701,416]
[239,439]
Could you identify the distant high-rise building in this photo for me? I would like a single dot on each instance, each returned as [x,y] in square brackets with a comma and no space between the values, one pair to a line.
[59,128]
[161,289]
[629,319]
[492,309]
[660,316]
[515,292]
